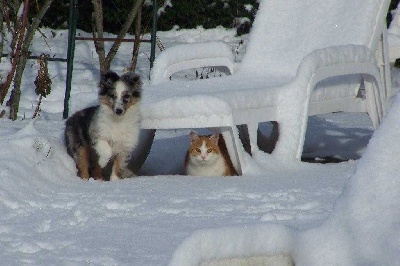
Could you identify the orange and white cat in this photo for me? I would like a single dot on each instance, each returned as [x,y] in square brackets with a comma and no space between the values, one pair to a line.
[208,156]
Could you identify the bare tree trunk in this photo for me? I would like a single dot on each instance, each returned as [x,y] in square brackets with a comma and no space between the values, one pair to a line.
[2,35]
[13,28]
[97,29]
[136,44]
[124,29]
[105,62]
[16,47]
[21,63]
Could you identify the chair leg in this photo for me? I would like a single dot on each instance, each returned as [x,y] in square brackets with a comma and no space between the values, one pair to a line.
[234,146]
[292,131]
[142,150]
[248,137]
[252,129]
[244,137]
[373,98]
[382,56]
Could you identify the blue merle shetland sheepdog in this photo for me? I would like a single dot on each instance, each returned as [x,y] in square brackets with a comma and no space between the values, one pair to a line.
[107,132]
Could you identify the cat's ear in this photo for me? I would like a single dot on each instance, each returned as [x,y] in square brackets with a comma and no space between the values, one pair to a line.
[215,137]
[193,136]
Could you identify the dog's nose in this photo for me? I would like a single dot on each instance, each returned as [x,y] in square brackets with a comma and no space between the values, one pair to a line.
[119,111]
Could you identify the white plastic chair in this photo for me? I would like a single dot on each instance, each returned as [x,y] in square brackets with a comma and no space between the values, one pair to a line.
[299,62]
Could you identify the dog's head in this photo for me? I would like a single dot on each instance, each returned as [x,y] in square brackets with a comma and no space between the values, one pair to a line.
[119,93]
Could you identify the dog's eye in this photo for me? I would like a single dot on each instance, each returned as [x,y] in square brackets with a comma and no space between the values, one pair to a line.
[111,96]
[126,98]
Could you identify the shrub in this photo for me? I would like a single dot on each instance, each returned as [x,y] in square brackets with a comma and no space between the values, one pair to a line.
[182,13]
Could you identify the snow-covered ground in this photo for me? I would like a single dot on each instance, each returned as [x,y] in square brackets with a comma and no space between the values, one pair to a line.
[49,216]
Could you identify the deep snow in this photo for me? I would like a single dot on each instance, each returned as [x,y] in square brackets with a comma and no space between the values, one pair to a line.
[50,216]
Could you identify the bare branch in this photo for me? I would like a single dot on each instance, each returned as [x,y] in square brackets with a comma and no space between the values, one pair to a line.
[2,35]
[97,31]
[124,29]
[18,38]
[136,44]
[21,61]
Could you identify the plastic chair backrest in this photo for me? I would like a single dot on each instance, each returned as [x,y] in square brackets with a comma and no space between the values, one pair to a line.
[284,32]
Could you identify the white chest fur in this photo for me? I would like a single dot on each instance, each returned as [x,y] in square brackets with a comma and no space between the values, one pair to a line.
[211,168]
[122,133]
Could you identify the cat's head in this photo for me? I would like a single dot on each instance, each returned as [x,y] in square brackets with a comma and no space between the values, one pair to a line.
[203,149]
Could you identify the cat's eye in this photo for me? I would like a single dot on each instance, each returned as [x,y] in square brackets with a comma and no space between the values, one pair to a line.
[198,150]
[209,150]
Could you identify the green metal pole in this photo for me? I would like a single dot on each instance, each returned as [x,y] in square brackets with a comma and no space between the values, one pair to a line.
[73,11]
[153,35]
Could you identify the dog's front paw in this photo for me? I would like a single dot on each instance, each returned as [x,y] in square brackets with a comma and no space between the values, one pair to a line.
[128,173]
[103,161]
[104,152]
[114,177]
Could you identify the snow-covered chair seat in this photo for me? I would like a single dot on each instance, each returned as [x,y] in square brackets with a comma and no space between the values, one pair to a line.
[303,58]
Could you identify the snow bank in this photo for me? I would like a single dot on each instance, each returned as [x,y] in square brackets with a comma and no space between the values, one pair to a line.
[362,230]
[212,245]
[50,216]
[32,155]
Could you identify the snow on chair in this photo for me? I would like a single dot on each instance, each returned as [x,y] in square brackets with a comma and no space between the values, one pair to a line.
[303,58]
[394,36]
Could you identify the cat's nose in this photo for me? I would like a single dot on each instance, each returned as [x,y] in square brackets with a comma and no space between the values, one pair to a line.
[203,157]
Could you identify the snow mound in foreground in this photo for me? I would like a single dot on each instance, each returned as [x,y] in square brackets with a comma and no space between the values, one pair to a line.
[362,230]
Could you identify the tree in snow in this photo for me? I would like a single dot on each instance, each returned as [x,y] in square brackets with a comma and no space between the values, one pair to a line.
[23,30]
[98,32]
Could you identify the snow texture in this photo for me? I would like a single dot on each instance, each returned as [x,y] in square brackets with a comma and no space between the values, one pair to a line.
[342,213]
[362,229]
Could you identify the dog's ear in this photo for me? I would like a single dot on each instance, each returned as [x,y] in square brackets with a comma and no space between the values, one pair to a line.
[132,79]
[107,79]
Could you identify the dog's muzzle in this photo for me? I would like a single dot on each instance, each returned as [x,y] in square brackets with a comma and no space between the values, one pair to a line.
[119,111]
